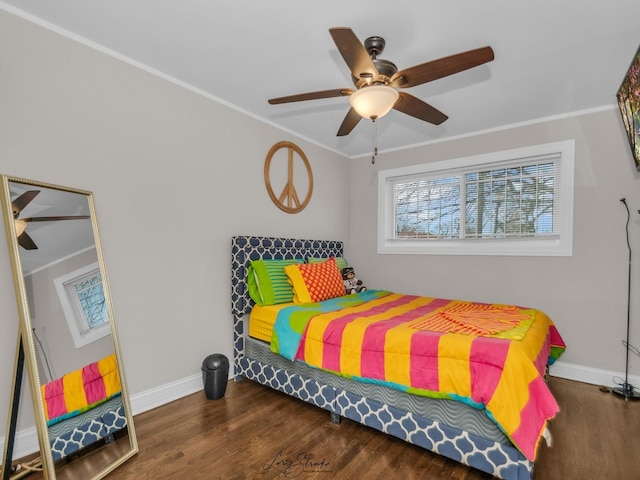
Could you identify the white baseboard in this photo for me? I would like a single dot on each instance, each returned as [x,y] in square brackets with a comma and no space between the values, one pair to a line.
[27,440]
[594,376]
[166,393]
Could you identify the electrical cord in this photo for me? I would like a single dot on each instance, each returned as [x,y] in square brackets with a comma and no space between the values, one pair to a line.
[631,348]
[44,354]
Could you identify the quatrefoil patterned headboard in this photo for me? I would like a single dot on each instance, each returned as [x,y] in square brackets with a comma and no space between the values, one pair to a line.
[245,249]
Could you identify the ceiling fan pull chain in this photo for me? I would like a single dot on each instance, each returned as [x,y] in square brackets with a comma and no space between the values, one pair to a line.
[375,142]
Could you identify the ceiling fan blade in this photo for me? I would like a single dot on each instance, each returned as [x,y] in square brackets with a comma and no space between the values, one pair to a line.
[443,67]
[53,219]
[354,54]
[340,92]
[350,121]
[23,200]
[417,108]
[26,242]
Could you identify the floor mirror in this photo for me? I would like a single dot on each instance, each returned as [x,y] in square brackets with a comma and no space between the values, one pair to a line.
[67,343]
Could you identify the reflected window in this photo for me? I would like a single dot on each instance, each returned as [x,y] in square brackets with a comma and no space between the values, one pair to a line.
[82,298]
[91,297]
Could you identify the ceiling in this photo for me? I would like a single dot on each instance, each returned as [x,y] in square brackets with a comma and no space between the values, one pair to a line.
[552,58]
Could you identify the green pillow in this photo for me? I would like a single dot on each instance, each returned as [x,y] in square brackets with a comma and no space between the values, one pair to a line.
[267,282]
[340,261]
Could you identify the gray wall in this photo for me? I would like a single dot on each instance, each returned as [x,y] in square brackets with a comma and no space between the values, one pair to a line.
[585,294]
[174,174]
[55,349]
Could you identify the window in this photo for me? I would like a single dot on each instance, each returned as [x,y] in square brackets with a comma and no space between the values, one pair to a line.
[84,305]
[516,202]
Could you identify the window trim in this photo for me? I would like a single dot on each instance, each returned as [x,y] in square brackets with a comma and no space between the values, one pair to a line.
[560,245]
[72,309]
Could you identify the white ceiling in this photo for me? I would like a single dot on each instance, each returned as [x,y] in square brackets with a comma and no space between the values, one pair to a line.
[55,240]
[552,57]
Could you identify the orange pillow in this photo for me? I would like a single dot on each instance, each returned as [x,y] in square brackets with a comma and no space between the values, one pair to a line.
[314,282]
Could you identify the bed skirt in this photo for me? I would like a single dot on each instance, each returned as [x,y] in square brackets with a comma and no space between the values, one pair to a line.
[73,434]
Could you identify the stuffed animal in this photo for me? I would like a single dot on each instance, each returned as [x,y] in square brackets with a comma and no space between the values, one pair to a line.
[351,283]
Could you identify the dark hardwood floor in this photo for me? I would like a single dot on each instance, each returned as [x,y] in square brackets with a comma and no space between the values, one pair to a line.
[257,433]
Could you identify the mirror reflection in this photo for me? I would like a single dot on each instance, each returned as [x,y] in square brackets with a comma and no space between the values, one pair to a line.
[69,336]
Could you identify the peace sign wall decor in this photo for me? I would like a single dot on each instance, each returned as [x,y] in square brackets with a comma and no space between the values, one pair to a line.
[289,199]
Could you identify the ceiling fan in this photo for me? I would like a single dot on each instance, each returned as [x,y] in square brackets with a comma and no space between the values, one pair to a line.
[17,205]
[377,80]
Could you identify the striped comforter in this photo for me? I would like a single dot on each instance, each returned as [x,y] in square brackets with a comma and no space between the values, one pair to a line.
[492,357]
[81,390]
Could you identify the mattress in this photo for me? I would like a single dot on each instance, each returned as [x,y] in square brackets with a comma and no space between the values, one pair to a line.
[448,412]
[262,320]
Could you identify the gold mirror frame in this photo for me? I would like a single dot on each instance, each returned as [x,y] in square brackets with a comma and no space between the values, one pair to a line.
[102,457]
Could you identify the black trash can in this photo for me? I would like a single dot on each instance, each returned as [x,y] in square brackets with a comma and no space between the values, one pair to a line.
[215,373]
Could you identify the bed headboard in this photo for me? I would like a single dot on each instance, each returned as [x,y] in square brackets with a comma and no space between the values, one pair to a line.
[244,249]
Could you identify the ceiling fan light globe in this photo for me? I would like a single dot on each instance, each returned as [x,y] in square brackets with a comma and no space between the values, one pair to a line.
[373,101]
[20,226]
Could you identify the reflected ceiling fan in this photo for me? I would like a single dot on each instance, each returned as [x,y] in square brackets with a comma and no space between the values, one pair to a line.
[24,240]
[377,80]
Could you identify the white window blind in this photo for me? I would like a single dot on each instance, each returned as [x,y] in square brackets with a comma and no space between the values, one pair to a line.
[513,202]
[82,298]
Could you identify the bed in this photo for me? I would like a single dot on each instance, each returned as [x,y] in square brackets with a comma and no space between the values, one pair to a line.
[84,407]
[460,425]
